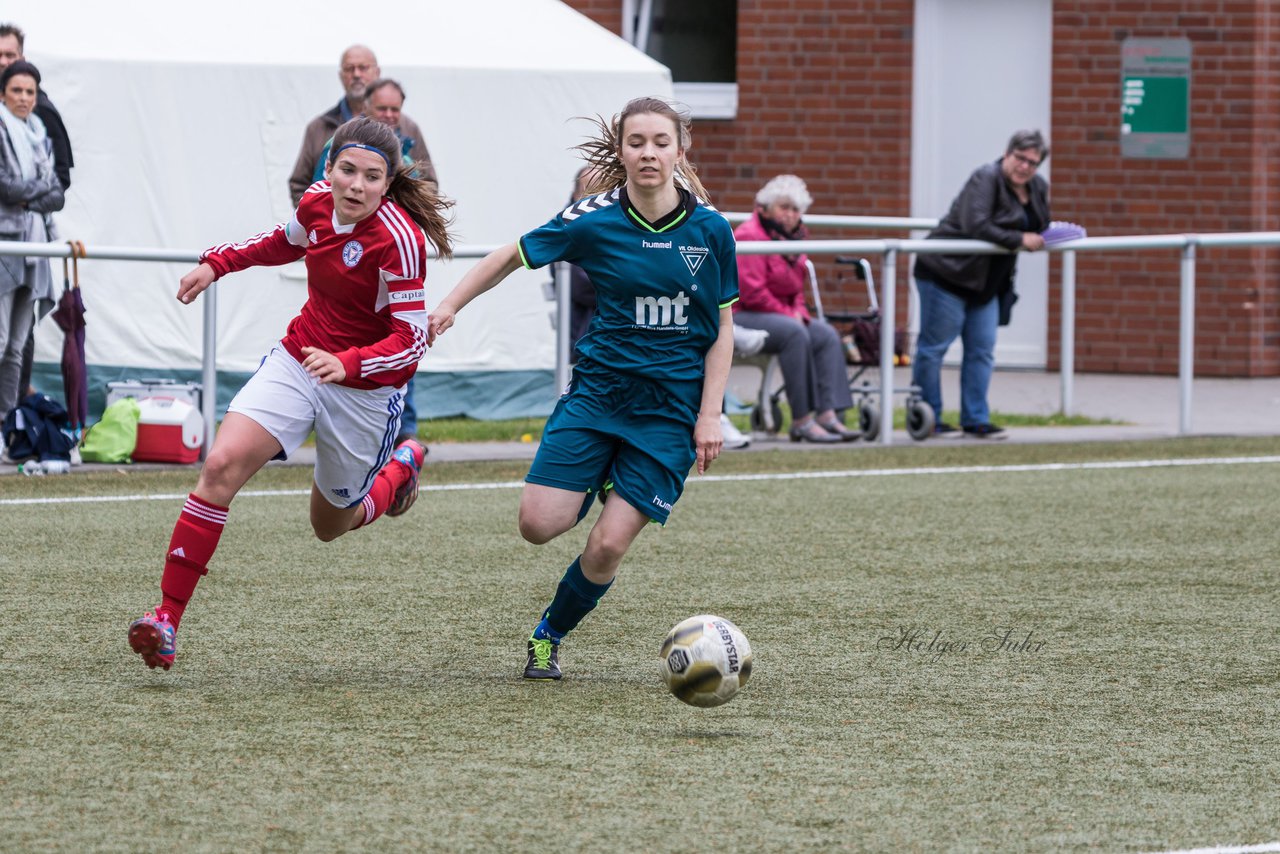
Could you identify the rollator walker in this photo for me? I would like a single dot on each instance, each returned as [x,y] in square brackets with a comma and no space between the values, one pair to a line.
[860,332]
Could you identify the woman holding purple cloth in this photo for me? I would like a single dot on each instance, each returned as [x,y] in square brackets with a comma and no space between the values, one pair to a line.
[1004,202]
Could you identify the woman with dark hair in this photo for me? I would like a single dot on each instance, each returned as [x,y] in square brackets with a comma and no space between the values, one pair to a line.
[29,193]
[1004,202]
[340,370]
[646,395]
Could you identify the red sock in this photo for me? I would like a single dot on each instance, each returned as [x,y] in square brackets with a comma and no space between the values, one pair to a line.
[195,537]
[390,478]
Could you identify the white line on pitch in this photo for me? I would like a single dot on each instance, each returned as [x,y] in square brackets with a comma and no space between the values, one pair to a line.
[1029,467]
[725,478]
[1264,848]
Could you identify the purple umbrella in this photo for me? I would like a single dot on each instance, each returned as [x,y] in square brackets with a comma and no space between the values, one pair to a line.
[69,315]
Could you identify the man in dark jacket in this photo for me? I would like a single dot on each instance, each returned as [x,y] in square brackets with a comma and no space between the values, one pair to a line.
[1006,203]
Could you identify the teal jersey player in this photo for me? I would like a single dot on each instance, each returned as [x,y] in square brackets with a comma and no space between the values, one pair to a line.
[659,286]
[643,407]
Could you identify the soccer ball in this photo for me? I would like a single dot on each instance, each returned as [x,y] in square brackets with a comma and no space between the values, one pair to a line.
[705,660]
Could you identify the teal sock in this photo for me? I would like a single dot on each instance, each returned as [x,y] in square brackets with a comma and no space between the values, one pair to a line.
[575,598]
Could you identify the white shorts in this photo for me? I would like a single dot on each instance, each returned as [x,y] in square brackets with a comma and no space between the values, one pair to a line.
[355,427]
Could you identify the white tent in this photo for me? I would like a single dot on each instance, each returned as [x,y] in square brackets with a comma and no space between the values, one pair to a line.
[186,120]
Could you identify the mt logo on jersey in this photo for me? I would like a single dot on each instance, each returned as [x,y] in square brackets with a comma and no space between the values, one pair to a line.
[662,312]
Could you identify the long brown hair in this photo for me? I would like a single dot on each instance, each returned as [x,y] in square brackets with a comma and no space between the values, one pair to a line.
[603,152]
[415,195]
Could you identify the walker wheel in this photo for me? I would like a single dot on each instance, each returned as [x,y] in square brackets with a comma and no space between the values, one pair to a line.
[920,419]
[758,422]
[869,420]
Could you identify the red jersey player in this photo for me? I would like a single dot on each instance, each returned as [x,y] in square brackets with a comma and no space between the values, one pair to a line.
[340,369]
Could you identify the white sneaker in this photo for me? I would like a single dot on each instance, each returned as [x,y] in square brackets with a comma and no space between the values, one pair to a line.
[733,437]
[747,341]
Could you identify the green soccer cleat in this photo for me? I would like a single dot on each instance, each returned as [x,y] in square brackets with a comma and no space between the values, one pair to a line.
[544,660]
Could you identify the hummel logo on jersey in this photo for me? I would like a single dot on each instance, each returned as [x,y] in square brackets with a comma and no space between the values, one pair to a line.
[693,257]
[352,253]
[655,245]
[662,312]
[312,236]
[341,492]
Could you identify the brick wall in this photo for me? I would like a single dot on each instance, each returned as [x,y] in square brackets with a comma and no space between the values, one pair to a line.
[824,90]
[606,13]
[1127,304]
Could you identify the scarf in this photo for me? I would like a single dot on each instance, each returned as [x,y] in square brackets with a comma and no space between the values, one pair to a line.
[777,232]
[29,140]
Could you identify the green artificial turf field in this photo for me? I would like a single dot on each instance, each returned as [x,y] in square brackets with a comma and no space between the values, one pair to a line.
[1020,655]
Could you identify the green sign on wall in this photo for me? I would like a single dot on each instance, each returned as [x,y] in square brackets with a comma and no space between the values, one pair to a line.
[1155,98]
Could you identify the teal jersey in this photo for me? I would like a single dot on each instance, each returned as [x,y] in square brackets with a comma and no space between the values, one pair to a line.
[659,286]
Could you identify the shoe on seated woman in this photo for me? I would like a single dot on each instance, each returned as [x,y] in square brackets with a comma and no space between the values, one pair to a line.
[835,428]
[809,431]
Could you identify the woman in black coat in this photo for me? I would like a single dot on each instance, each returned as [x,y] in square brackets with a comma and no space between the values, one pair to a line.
[1004,202]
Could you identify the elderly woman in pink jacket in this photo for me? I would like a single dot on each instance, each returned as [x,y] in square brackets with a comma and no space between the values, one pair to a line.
[772,289]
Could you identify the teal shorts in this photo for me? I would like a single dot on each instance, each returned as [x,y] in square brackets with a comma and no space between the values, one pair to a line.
[630,435]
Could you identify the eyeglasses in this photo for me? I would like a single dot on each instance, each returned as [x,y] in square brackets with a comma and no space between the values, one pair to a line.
[1026,161]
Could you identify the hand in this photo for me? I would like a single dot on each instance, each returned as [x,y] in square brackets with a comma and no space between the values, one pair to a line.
[708,439]
[322,365]
[192,284]
[1032,241]
[438,322]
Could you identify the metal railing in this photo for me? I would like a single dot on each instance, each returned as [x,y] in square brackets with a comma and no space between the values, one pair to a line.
[879,223]
[209,337]
[887,249]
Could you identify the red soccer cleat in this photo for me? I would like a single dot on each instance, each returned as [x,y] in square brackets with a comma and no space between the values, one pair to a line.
[411,454]
[154,638]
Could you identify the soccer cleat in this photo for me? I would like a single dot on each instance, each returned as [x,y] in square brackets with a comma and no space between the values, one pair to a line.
[411,454]
[544,660]
[154,638]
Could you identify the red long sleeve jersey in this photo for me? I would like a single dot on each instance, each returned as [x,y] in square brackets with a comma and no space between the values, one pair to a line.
[365,293]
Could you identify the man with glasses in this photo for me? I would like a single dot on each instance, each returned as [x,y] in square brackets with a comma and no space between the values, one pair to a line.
[969,296]
[358,68]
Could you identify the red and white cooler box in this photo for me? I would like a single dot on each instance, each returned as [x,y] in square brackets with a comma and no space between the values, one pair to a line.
[170,426]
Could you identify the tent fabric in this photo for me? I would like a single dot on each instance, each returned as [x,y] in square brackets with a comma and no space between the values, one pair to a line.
[187,122]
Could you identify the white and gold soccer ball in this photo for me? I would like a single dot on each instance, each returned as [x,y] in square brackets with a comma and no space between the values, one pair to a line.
[705,660]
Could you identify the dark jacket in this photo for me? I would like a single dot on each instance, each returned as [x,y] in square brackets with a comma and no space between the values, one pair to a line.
[986,209]
[62,159]
[320,130]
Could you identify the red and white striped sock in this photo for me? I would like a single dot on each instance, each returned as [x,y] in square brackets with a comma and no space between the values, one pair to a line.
[385,483]
[195,537]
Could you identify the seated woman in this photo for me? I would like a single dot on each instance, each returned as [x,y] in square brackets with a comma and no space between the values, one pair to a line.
[772,291]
